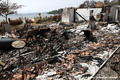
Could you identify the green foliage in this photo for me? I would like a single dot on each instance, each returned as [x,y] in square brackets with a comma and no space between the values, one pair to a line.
[59,11]
[7,8]
[36,19]
[118,2]
[39,15]
[114,2]
[55,18]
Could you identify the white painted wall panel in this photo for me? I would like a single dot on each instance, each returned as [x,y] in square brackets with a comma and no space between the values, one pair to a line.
[85,12]
[68,15]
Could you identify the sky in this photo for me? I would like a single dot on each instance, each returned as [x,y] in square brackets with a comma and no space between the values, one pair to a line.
[33,6]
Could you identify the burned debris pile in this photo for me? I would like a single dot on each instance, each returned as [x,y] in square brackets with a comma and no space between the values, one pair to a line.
[41,43]
[57,53]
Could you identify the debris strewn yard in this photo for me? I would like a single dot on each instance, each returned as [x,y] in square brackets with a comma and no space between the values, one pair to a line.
[80,44]
[56,52]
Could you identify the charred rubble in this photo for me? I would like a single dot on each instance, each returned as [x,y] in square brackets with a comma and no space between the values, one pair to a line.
[57,53]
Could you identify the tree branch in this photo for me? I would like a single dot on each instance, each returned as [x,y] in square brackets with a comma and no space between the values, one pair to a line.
[2,15]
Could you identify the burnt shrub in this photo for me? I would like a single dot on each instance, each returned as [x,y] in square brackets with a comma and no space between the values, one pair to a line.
[15,22]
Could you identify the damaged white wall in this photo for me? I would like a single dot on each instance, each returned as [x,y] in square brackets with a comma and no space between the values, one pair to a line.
[85,12]
[115,13]
[68,14]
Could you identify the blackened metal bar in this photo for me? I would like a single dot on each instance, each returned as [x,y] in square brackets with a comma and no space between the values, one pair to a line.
[82,17]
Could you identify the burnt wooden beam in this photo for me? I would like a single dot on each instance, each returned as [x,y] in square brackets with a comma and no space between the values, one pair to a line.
[81,16]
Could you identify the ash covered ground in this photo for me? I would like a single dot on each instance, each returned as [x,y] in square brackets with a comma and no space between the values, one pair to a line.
[59,52]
